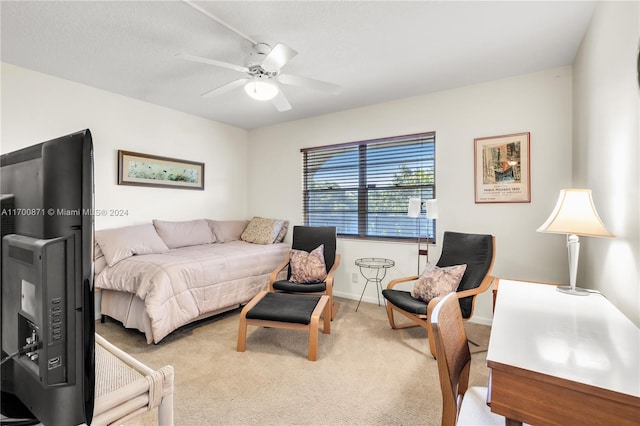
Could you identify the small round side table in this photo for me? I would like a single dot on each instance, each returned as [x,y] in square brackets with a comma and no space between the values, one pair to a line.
[373,269]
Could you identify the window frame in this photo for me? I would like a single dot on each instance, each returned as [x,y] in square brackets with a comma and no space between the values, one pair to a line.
[363,189]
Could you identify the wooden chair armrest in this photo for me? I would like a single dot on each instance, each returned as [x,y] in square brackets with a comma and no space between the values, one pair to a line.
[332,272]
[273,277]
[484,286]
[393,283]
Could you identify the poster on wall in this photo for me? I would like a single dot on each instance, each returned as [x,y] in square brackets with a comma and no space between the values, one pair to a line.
[502,169]
[139,169]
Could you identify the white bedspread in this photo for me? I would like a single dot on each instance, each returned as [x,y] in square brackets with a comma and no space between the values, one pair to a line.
[186,283]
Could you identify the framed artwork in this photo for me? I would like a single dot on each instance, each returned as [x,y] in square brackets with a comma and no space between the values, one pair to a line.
[502,169]
[139,169]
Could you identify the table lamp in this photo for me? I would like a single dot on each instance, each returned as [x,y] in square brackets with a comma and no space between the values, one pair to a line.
[573,215]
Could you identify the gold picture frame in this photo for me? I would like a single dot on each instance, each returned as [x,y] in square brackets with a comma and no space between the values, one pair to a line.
[502,169]
[135,168]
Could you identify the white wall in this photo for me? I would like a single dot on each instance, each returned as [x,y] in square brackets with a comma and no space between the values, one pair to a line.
[606,150]
[37,107]
[539,103]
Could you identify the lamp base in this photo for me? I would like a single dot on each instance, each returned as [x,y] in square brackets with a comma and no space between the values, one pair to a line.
[573,291]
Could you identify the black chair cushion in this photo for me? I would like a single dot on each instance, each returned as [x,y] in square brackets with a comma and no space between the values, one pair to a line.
[283,307]
[308,238]
[403,300]
[474,250]
[292,287]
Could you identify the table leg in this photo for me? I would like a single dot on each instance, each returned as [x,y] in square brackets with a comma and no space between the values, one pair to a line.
[379,279]
[363,290]
[379,289]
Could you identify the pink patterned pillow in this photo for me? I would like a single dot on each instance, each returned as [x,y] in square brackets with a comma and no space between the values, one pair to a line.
[308,267]
[436,281]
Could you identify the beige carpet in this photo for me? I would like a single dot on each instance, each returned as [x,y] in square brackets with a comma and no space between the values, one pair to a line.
[366,373]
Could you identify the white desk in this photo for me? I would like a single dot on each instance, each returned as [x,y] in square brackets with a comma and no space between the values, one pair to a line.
[562,359]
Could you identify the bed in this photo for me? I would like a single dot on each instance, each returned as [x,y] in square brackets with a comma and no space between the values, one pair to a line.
[158,277]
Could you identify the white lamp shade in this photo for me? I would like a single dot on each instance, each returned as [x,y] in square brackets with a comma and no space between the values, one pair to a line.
[575,214]
[261,90]
[432,209]
[414,207]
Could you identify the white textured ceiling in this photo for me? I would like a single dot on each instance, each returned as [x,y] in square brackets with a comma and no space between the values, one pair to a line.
[376,50]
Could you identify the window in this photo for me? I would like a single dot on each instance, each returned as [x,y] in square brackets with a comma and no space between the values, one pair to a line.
[363,188]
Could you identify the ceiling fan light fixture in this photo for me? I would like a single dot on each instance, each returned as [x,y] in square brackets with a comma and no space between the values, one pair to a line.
[261,90]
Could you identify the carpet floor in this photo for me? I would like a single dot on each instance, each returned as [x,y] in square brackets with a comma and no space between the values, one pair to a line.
[366,372]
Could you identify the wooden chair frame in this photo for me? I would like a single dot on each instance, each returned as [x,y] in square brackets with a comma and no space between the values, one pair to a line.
[421,320]
[454,368]
[273,277]
[460,403]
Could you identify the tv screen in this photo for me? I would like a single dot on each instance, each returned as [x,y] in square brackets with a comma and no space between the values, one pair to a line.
[47,303]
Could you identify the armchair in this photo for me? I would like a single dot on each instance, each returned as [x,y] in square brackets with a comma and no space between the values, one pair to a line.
[476,251]
[308,238]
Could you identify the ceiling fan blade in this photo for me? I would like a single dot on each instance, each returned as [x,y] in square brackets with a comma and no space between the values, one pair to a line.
[296,80]
[212,62]
[280,102]
[224,88]
[278,57]
[218,20]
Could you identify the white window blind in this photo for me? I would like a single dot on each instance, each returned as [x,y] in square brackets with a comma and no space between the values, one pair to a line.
[363,188]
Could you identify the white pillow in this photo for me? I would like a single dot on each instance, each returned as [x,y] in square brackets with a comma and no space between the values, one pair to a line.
[99,262]
[186,233]
[283,232]
[227,230]
[120,243]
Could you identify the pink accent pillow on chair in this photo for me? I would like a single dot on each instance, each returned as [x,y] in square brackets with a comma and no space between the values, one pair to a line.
[308,267]
[435,281]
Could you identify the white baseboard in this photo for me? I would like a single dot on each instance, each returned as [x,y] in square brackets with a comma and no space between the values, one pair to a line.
[481,320]
[366,299]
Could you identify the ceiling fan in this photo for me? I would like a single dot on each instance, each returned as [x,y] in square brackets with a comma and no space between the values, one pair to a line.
[262,69]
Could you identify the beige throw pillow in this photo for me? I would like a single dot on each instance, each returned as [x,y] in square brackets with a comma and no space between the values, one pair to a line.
[185,233]
[436,281]
[262,231]
[227,230]
[119,243]
[308,267]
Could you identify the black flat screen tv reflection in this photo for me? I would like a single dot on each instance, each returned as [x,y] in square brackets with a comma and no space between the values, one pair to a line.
[47,303]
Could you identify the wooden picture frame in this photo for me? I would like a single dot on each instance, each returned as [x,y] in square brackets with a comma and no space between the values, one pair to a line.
[135,168]
[502,169]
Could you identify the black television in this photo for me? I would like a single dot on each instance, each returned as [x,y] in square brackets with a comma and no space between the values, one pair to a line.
[47,295]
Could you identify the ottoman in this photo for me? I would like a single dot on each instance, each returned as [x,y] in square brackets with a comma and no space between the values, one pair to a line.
[290,311]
